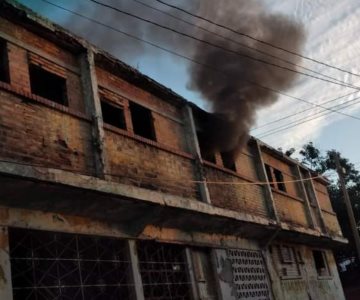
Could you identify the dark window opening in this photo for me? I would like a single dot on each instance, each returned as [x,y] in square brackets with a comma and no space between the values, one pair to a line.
[320,263]
[113,115]
[48,85]
[142,121]
[279,180]
[228,160]
[53,265]
[269,175]
[4,62]
[164,271]
[204,149]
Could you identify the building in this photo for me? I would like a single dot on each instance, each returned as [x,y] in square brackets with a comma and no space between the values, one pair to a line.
[103,192]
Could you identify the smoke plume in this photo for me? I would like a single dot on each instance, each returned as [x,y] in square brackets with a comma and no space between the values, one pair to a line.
[230,91]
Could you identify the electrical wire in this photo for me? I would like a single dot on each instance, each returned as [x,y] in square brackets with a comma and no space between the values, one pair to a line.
[286,127]
[169,179]
[237,42]
[219,46]
[300,112]
[190,59]
[255,39]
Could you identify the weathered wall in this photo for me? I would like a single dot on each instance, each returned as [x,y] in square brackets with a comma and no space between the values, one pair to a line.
[304,283]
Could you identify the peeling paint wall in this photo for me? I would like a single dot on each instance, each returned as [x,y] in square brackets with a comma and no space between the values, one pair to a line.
[306,285]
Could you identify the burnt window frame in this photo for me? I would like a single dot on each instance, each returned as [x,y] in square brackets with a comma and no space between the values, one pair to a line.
[121,111]
[316,254]
[138,126]
[275,178]
[293,261]
[228,160]
[4,62]
[63,100]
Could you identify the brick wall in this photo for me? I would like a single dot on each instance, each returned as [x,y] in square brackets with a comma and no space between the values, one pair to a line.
[323,196]
[141,164]
[241,198]
[290,210]
[167,118]
[332,223]
[32,133]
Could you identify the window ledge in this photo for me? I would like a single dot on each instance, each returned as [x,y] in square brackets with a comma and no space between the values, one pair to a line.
[48,103]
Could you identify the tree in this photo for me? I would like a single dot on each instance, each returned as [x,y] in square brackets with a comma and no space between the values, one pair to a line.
[324,164]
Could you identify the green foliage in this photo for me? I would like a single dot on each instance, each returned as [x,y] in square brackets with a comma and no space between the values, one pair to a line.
[324,163]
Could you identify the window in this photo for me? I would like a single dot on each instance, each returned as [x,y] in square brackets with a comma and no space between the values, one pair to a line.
[142,121]
[53,265]
[288,259]
[48,85]
[228,160]
[4,62]
[286,254]
[164,271]
[321,265]
[113,114]
[279,180]
[275,177]
[204,149]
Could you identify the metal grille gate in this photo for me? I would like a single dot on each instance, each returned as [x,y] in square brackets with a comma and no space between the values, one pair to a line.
[164,271]
[249,274]
[49,266]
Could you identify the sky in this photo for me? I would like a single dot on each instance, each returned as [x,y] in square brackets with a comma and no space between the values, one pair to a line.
[331,28]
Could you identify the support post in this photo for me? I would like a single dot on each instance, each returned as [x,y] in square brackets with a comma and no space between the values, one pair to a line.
[139,291]
[305,197]
[267,188]
[195,150]
[318,207]
[349,209]
[5,267]
[194,288]
[93,109]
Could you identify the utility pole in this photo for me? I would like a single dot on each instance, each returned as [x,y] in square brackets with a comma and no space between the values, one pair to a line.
[349,209]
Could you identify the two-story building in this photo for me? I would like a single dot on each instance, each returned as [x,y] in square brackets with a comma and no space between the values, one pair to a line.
[106,193]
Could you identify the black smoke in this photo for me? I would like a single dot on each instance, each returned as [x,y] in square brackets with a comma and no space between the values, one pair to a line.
[230,91]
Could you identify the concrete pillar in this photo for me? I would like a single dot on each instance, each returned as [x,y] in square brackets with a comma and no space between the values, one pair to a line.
[93,109]
[5,267]
[194,148]
[305,197]
[267,188]
[194,289]
[136,276]
[318,208]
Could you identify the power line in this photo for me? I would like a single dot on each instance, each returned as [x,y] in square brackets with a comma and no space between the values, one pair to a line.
[300,112]
[282,128]
[255,39]
[166,179]
[220,47]
[188,58]
[237,42]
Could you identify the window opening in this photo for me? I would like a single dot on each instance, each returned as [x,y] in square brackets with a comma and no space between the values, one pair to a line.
[228,160]
[142,121]
[279,177]
[4,62]
[164,272]
[269,175]
[52,265]
[204,149]
[320,263]
[48,85]
[288,259]
[113,114]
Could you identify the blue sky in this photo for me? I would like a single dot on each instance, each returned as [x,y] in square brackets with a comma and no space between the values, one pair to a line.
[332,28]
